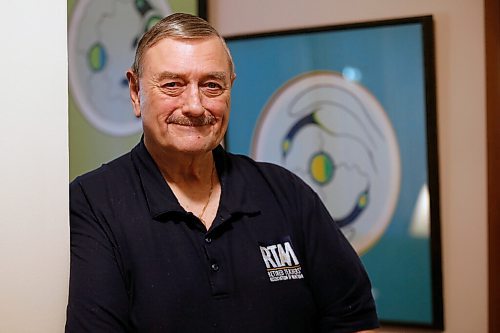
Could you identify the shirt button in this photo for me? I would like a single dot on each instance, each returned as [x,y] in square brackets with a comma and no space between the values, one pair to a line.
[208,240]
[215,267]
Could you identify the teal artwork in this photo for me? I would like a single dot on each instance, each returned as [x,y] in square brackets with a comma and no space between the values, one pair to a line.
[351,110]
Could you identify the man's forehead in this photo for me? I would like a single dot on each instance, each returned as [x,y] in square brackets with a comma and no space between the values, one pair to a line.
[177,42]
[168,75]
[172,56]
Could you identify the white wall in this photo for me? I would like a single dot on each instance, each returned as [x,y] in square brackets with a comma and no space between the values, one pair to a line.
[461,118]
[34,237]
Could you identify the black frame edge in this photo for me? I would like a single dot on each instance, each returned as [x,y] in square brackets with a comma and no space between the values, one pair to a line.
[202,9]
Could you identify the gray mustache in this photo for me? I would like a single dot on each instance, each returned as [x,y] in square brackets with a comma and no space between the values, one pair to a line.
[198,121]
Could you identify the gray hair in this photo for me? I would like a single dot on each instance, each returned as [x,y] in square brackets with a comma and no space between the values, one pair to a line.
[177,26]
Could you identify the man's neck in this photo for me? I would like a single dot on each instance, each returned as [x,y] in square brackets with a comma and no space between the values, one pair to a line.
[194,181]
[183,168]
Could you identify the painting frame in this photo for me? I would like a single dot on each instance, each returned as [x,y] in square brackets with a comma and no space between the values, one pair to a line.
[247,53]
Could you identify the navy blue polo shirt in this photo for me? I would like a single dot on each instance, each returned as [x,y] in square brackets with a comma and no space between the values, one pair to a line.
[272,261]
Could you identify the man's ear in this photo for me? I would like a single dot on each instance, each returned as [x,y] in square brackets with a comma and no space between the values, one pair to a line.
[233,77]
[133,86]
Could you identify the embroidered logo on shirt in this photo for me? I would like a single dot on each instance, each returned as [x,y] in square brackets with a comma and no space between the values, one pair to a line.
[281,262]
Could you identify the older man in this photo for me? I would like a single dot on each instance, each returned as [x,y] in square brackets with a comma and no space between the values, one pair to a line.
[180,236]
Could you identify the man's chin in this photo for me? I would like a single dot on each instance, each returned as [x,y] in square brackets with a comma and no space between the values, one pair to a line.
[197,146]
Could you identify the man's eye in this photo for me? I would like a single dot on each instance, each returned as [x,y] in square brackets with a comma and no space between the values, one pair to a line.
[170,85]
[213,85]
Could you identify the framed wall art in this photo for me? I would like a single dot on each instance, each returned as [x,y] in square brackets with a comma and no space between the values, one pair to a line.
[351,109]
[102,36]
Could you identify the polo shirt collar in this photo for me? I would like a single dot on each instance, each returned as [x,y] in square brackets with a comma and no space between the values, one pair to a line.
[161,200]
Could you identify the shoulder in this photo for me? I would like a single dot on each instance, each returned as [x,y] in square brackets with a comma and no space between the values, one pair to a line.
[108,174]
[267,169]
[279,179]
[101,191]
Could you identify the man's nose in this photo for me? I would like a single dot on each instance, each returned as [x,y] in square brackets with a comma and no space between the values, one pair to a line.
[192,105]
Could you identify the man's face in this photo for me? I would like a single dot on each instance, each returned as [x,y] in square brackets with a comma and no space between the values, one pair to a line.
[183,96]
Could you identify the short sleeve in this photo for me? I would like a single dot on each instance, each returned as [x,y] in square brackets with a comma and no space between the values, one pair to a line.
[98,299]
[338,280]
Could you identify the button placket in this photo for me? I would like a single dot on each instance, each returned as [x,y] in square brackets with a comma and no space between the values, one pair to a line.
[214,266]
[215,261]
